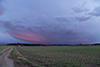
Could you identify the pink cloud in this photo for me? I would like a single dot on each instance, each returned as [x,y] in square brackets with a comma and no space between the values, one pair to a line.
[93,42]
[71,41]
[77,40]
[82,40]
[29,37]
[42,38]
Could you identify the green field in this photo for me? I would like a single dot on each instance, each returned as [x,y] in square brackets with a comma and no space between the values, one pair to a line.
[3,47]
[62,56]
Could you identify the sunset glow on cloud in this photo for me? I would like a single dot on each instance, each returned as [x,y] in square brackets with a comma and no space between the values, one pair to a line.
[48,22]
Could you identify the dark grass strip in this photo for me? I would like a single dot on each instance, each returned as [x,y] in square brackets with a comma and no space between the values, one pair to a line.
[20,60]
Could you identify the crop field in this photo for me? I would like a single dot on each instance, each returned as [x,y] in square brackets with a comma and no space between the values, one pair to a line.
[3,47]
[62,56]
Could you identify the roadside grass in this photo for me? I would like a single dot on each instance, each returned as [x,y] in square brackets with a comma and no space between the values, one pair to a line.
[63,56]
[3,47]
[5,51]
[20,60]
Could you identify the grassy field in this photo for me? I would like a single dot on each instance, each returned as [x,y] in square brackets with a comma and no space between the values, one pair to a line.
[63,56]
[3,47]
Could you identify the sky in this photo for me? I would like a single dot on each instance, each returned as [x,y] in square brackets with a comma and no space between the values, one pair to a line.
[49,21]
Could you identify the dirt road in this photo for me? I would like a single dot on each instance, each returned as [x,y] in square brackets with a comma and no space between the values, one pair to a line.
[4,60]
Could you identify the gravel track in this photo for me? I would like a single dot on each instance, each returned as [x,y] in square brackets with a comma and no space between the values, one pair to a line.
[4,60]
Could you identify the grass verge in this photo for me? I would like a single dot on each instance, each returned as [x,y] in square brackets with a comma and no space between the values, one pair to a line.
[3,47]
[20,60]
[5,51]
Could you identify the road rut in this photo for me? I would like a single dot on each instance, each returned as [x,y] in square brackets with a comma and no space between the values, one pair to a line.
[4,60]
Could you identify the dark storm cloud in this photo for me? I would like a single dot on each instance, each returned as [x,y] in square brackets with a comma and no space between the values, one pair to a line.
[62,19]
[80,8]
[46,33]
[95,12]
[73,19]
[50,21]
[81,19]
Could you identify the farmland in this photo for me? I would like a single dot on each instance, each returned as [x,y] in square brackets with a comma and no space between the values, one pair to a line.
[3,47]
[62,56]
